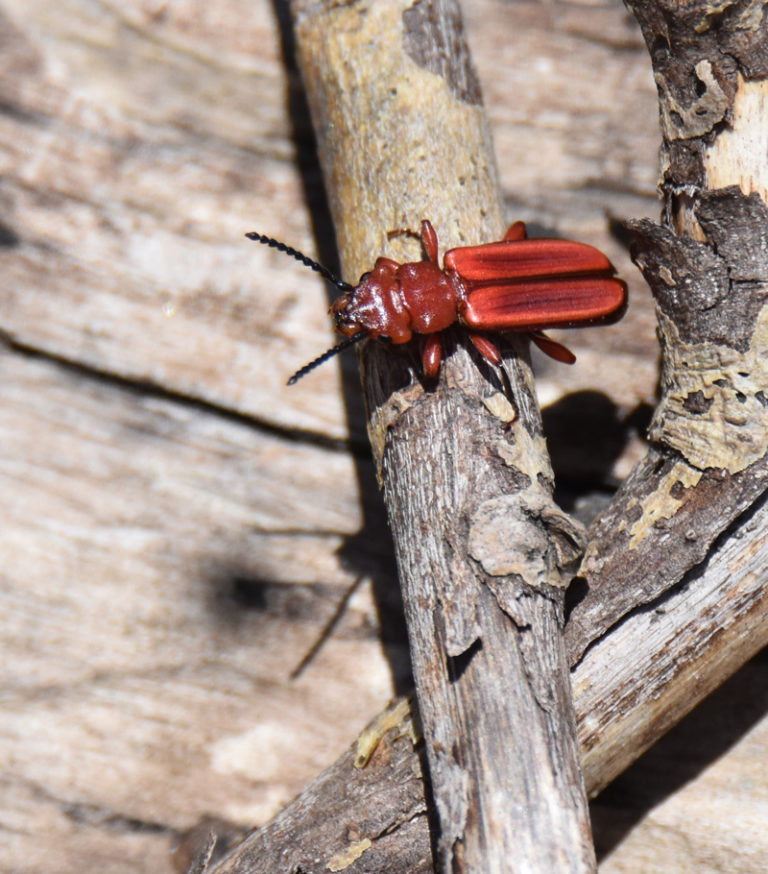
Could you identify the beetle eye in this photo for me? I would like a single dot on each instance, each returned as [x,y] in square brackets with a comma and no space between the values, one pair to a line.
[364,277]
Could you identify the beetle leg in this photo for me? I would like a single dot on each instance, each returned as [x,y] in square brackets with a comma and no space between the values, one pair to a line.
[517,231]
[386,262]
[491,353]
[429,240]
[431,355]
[488,350]
[552,348]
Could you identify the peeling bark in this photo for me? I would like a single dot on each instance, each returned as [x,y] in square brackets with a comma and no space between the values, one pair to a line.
[707,267]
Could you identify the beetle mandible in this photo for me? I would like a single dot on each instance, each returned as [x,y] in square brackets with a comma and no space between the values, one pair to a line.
[514,285]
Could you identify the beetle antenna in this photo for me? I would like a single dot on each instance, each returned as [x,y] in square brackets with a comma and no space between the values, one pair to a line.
[300,256]
[345,344]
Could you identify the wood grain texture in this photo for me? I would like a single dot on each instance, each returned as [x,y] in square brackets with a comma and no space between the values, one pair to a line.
[180,527]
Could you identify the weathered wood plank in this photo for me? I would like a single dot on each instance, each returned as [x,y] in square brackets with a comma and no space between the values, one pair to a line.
[138,146]
[164,571]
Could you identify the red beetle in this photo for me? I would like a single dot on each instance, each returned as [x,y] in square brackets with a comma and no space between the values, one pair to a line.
[517,284]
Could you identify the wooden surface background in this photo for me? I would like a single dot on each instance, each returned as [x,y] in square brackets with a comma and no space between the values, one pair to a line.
[179,525]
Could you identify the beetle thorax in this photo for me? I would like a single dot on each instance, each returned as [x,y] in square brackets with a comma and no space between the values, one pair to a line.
[397,301]
[430,296]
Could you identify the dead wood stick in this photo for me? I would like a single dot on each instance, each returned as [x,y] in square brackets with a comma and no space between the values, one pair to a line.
[477,700]
[635,682]
[708,269]
[482,549]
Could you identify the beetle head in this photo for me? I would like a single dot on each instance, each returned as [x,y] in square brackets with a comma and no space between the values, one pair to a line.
[375,306]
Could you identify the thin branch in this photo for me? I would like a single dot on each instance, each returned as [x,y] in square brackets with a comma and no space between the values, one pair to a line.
[708,269]
[402,136]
